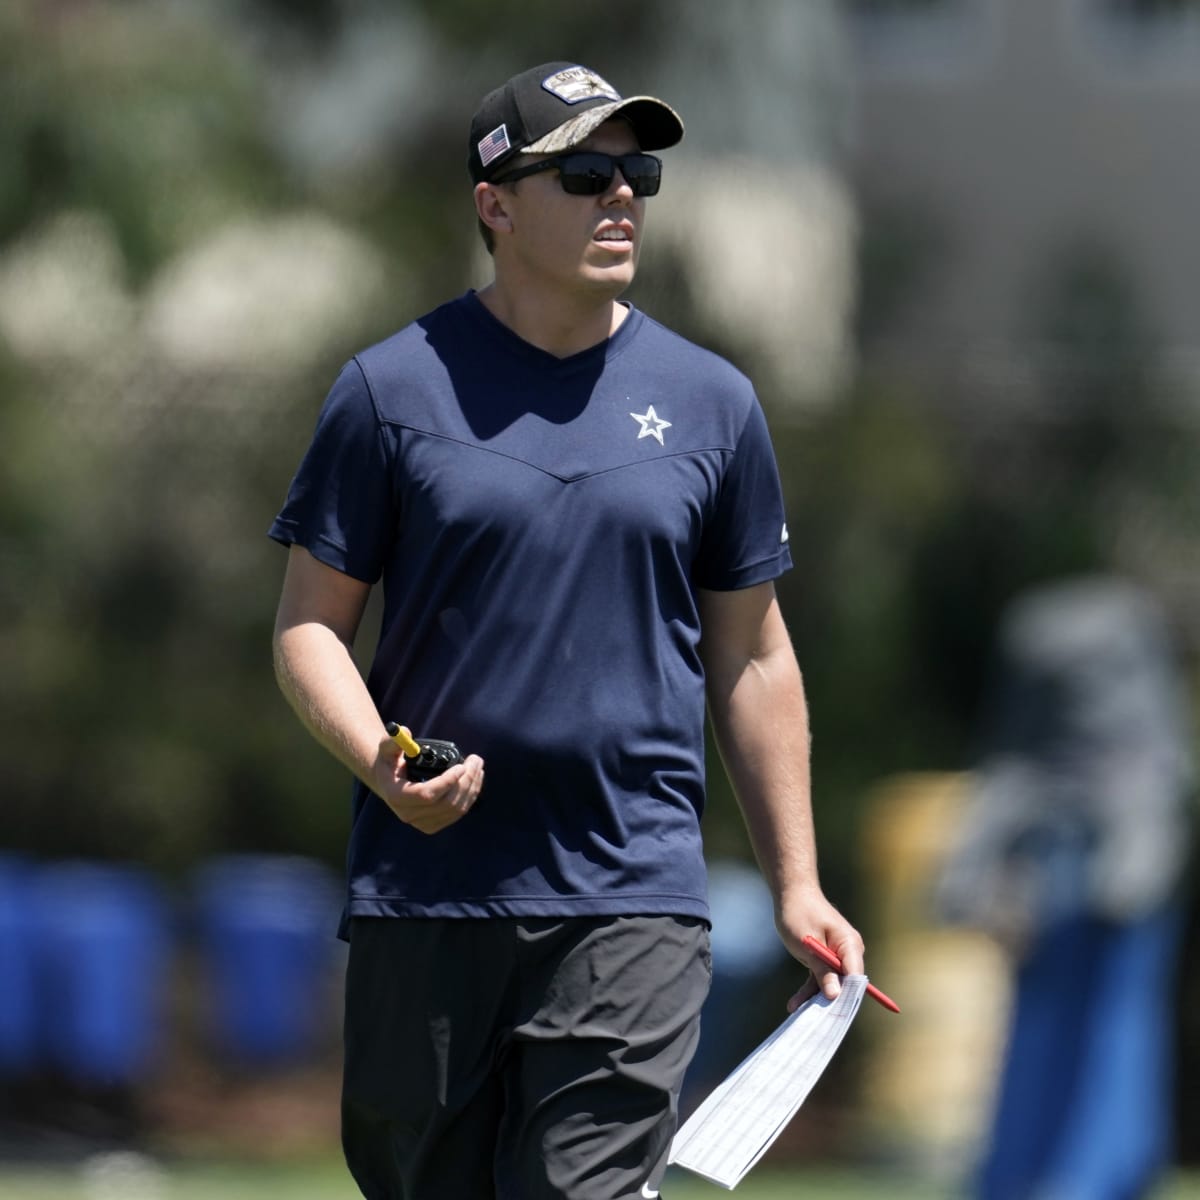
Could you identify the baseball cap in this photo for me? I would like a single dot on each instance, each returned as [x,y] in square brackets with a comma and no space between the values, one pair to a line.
[552,107]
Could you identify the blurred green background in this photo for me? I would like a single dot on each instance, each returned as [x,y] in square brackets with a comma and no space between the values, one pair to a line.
[952,244]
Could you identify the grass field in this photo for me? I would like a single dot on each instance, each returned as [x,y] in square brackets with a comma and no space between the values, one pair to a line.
[123,1177]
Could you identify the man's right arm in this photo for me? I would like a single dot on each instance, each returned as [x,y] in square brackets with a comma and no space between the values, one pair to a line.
[319,613]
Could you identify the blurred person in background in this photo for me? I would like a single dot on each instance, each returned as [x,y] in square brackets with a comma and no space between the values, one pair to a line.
[1073,854]
[577,519]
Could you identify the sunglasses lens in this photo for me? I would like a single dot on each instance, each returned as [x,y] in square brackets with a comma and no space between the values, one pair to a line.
[585,174]
[591,174]
[642,172]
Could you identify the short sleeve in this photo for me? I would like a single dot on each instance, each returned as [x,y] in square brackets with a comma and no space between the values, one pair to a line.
[745,539]
[341,505]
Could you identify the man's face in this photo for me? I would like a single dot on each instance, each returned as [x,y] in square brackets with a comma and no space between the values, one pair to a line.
[585,244]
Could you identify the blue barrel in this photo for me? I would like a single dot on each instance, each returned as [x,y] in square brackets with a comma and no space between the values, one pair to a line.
[103,963]
[18,1003]
[268,928]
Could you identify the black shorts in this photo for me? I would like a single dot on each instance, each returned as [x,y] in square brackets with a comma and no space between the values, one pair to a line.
[518,1059]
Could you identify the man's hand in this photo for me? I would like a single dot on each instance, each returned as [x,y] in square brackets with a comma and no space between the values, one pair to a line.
[810,914]
[436,803]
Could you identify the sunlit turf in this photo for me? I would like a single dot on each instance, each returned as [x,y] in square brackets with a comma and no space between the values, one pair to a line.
[128,1178]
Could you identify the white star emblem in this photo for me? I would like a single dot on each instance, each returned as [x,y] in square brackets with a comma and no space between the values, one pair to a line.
[652,424]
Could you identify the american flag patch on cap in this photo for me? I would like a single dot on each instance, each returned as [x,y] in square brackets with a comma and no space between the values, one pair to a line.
[494,145]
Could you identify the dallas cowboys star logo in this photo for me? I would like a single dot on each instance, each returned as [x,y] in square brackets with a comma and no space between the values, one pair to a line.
[595,84]
[652,425]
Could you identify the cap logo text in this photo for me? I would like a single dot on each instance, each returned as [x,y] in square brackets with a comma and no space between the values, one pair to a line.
[578,83]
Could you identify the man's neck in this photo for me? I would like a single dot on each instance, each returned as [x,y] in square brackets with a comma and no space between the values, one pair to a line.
[559,329]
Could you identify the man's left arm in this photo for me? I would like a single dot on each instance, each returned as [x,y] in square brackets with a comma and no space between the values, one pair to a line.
[760,718]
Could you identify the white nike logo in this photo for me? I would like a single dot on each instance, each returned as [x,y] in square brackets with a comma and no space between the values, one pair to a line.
[648,1192]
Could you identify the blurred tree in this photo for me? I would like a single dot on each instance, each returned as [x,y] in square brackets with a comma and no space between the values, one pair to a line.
[130,110]
[899,251]
[127,681]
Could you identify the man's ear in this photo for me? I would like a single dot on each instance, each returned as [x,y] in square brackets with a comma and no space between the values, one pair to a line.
[491,205]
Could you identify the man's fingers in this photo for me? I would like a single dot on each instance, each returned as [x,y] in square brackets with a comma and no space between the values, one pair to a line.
[451,794]
[807,991]
[851,953]
[830,983]
[459,785]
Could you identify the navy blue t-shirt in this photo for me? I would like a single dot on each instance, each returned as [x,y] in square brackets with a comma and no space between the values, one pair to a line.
[541,527]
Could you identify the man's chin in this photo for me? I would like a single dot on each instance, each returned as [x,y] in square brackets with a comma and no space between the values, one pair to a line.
[612,279]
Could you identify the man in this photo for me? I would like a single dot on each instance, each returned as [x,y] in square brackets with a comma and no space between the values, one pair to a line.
[577,519]
[1073,855]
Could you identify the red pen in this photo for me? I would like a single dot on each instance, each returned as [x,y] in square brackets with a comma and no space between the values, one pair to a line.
[830,959]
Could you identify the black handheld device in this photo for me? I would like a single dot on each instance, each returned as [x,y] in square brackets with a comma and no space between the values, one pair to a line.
[424,758]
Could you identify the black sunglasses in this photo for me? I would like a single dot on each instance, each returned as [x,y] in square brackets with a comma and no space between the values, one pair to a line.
[589,173]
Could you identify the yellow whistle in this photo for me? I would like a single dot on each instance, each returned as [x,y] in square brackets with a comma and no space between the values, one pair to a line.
[403,738]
